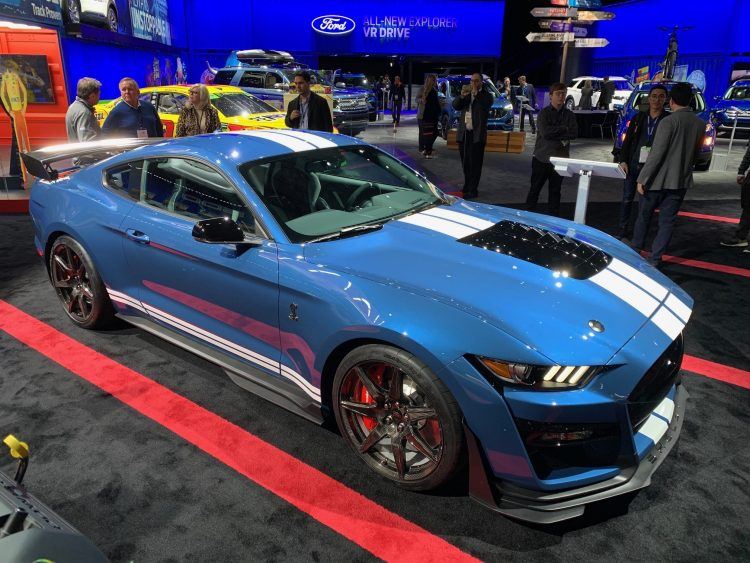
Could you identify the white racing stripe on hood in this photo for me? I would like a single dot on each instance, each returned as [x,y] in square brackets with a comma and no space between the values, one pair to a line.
[444,226]
[678,307]
[458,217]
[638,278]
[628,292]
[297,145]
[319,142]
[667,322]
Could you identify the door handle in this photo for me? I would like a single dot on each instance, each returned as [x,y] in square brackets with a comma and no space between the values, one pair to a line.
[137,236]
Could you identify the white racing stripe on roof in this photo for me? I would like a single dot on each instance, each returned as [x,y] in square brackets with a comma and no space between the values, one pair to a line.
[296,145]
[628,292]
[440,225]
[311,138]
[678,307]
[459,217]
[654,428]
[668,323]
[638,278]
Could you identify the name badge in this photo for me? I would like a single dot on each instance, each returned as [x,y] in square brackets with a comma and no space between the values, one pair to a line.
[645,151]
[142,134]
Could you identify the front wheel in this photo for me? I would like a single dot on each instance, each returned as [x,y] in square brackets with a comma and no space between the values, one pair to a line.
[570,104]
[78,284]
[398,417]
[444,127]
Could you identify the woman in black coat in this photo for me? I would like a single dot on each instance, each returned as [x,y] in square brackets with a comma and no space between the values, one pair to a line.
[397,96]
[428,115]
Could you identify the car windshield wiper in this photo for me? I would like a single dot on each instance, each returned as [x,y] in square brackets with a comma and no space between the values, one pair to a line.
[349,232]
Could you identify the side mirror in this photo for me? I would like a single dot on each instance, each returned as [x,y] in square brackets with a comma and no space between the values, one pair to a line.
[340,84]
[220,230]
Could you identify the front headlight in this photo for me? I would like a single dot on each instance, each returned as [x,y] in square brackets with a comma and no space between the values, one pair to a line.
[538,377]
[508,107]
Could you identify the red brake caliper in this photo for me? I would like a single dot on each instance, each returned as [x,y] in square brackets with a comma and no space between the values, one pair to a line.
[362,396]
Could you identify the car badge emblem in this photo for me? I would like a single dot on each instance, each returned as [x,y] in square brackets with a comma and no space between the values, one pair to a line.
[333,25]
[596,326]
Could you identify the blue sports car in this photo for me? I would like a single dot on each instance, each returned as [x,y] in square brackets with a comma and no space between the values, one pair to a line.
[330,278]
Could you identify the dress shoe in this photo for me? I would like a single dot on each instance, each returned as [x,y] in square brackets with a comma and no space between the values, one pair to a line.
[470,195]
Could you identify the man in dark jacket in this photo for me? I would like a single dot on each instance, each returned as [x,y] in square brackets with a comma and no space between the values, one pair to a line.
[132,117]
[668,172]
[635,148]
[474,103]
[308,110]
[528,106]
[743,179]
[557,127]
[607,93]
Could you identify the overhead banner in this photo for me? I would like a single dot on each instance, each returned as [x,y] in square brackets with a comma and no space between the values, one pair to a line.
[45,12]
[150,20]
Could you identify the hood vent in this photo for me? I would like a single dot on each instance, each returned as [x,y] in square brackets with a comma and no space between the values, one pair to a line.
[541,247]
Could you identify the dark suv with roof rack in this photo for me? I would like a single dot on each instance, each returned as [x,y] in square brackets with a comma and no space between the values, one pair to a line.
[269,74]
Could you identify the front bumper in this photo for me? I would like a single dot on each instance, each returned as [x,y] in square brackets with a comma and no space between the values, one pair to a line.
[547,507]
[349,124]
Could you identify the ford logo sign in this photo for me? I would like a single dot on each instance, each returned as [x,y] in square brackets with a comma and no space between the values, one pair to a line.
[333,25]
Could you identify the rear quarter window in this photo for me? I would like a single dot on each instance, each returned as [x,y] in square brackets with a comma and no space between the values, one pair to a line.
[224,77]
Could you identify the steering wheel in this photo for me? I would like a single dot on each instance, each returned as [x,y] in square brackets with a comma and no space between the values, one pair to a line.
[352,199]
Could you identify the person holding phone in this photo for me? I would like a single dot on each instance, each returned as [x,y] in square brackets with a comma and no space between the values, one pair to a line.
[474,104]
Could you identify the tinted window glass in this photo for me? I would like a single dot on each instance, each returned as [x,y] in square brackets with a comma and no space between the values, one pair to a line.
[125,179]
[193,190]
[224,77]
[253,80]
[738,93]
[640,102]
[236,105]
[316,193]
[171,103]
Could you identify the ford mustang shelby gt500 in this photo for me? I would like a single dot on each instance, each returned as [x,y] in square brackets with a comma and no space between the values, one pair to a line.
[332,279]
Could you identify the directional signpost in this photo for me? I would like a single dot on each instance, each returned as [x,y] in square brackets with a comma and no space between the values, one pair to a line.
[549,37]
[580,32]
[592,42]
[595,15]
[554,12]
[550,24]
[577,3]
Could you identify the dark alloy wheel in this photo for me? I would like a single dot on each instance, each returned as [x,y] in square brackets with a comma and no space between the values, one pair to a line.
[73,11]
[112,19]
[398,417]
[78,285]
[444,127]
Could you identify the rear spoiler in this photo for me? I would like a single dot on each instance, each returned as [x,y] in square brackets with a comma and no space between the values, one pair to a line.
[39,162]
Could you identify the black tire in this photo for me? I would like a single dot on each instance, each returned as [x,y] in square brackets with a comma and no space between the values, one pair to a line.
[410,434]
[703,166]
[72,12]
[78,285]
[444,126]
[112,19]
[570,104]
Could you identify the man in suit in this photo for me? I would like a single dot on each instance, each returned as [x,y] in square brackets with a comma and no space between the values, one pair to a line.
[474,103]
[527,107]
[668,172]
[308,110]
[607,93]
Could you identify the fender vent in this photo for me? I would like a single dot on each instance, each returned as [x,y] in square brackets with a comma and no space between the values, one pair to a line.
[541,247]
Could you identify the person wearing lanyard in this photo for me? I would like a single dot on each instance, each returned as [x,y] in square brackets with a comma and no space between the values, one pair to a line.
[199,115]
[132,117]
[308,110]
[635,149]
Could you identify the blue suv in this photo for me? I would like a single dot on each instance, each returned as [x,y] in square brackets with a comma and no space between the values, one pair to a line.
[735,104]
[501,112]
[268,74]
[638,101]
[357,83]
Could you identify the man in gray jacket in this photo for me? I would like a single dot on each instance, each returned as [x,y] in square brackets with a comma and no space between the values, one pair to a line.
[668,172]
[80,122]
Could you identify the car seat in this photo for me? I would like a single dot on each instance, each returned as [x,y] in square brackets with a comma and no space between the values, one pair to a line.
[292,192]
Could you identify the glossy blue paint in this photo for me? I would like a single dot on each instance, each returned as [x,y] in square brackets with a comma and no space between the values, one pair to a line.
[732,106]
[414,287]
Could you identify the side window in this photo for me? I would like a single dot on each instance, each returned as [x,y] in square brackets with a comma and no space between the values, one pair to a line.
[224,76]
[193,190]
[252,80]
[171,103]
[125,179]
[273,78]
[145,97]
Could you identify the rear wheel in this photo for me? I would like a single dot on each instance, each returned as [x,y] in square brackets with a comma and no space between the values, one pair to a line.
[398,416]
[570,104]
[78,285]
[72,11]
[703,166]
[112,19]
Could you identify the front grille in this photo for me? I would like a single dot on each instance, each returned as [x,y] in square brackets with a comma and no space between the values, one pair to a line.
[497,113]
[655,385]
[541,247]
[353,104]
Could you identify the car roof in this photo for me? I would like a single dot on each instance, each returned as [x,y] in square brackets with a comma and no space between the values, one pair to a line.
[184,89]
[666,83]
[238,147]
[741,82]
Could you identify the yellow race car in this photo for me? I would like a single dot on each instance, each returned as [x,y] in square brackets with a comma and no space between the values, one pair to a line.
[237,109]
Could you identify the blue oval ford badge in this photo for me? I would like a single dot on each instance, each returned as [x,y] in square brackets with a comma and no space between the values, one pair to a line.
[333,25]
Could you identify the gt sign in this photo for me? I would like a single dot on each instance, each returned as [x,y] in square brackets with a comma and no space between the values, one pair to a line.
[333,25]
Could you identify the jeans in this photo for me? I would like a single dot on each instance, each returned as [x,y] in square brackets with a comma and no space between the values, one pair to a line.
[540,173]
[427,135]
[396,112]
[525,112]
[669,203]
[628,194]
[472,158]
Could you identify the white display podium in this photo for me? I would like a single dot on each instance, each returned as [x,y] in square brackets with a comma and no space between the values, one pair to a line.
[585,170]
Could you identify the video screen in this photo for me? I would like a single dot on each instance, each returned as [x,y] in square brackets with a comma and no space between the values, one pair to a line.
[34,73]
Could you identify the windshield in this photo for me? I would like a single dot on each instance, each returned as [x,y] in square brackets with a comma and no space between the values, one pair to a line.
[623,85]
[738,93]
[315,77]
[240,105]
[639,102]
[316,193]
[354,81]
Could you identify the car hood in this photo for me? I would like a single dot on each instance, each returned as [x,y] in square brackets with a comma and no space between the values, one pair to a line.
[273,120]
[724,105]
[550,311]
